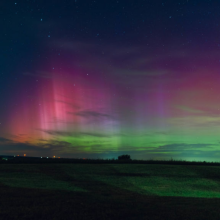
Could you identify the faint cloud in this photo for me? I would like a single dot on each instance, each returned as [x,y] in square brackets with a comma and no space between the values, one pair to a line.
[181,147]
[5,140]
[54,132]
[188,109]
[68,103]
[73,134]
[195,121]
[116,61]
[93,134]
[88,114]
[45,147]
[42,74]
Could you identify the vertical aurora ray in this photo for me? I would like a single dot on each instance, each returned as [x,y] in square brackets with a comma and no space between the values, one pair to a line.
[66,110]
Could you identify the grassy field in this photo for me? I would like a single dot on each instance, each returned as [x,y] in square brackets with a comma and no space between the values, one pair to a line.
[109,191]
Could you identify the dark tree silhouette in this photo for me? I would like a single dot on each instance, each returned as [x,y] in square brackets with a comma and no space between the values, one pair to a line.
[124,157]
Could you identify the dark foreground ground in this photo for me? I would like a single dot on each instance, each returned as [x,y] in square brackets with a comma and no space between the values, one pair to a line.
[109,191]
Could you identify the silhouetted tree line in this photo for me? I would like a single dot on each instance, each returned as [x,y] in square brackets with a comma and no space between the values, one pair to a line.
[124,157]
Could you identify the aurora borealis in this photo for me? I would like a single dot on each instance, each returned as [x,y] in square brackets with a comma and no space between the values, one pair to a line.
[97,80]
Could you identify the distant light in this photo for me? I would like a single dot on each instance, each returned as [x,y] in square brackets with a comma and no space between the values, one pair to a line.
[58,157]
[41,157]
[54,156]
[24,155]
[17,155]
[47,157]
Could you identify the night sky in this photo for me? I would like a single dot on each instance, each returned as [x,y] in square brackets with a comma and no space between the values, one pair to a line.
[97,79]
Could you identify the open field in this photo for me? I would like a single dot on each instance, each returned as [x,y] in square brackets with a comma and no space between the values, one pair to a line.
[109,191]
